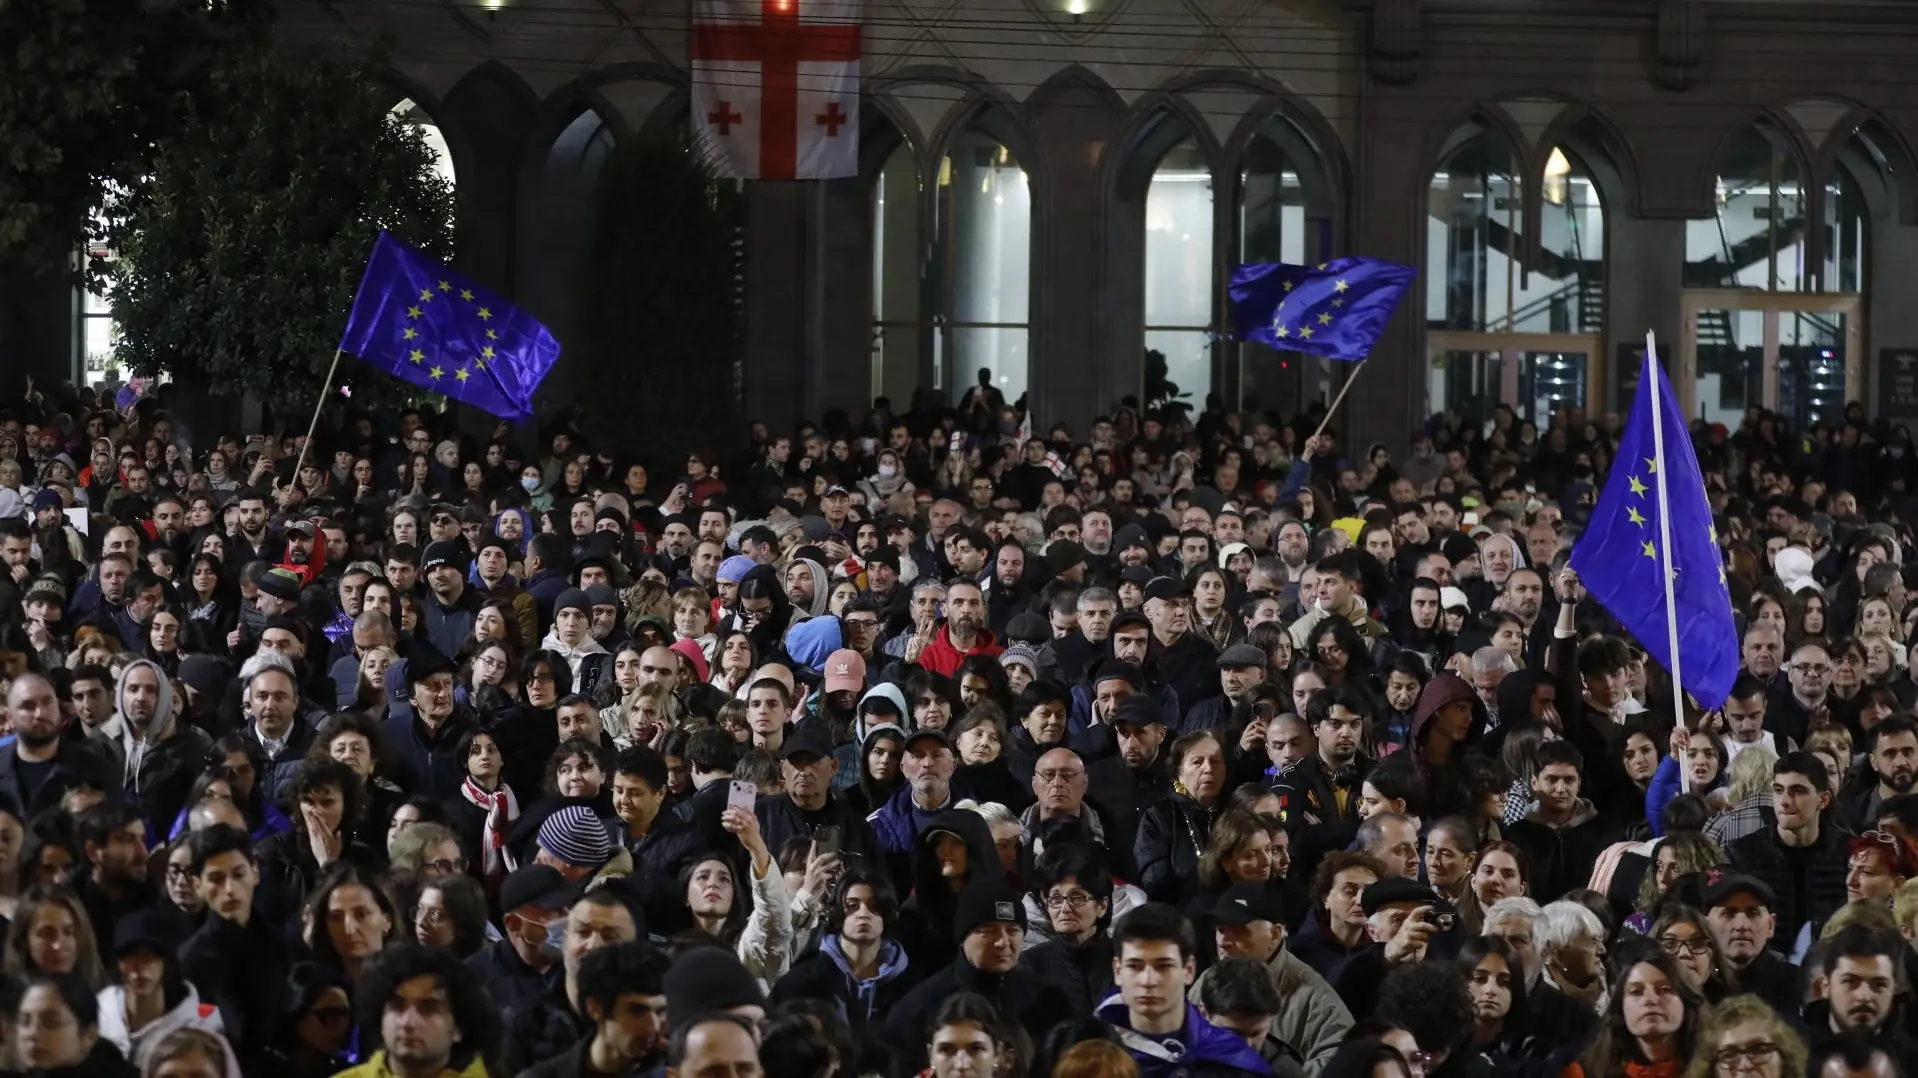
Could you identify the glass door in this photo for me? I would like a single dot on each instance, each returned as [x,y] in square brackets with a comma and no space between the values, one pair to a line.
[1536,374]
[1794,353]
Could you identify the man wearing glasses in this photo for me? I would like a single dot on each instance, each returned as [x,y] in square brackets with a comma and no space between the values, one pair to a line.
[1793,708]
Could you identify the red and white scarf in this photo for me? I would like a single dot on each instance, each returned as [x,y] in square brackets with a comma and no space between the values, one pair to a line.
[502,808]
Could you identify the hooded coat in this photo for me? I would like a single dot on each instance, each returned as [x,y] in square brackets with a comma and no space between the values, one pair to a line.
[1199,1050]
[925,919]
[1448,792]
[826,974]
[156,772]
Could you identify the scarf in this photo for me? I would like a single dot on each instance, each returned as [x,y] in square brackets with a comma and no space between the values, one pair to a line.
[502,808]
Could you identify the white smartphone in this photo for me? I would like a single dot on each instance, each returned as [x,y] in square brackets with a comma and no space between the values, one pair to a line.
[742,795]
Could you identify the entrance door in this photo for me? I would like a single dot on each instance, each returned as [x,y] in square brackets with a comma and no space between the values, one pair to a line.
[1535,373]
[1796,353]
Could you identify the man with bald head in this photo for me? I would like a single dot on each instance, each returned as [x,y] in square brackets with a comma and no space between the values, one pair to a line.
[660,664]
[1059,782]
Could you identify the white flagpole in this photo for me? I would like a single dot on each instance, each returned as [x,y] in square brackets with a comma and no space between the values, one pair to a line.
[1665,540]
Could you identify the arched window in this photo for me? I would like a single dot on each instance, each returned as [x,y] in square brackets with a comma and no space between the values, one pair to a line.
[1287,207]
[1511,321]
[952,304]
[1772,279]
[983,249]
[1180,286]
[409,112]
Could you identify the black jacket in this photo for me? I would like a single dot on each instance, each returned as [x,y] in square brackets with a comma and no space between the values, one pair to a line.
[781,821]
[1562,857]
[1760,854]
[1017,992]
[76,763]
[821,976]
[1082,971]
[925,919]
[511,982]
[243,972]
[431,764]
[1172,835]
[658,859]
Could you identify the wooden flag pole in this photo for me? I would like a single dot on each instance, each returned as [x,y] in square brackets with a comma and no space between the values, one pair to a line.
[307,444]
[1333,410]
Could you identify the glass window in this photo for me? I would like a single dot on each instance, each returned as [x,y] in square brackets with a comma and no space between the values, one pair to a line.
[98,331]
[903,341]
[1475,217]
[409,112]
[1757,237]
[985,249]
[1180,290]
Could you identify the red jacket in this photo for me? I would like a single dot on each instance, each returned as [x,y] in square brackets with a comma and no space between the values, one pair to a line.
[942,658]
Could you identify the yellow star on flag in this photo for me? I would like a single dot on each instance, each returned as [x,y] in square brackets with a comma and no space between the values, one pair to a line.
[1322,265]
[426,295]
[436,373]
[417,355]
[487,351]
[1288,286]
[1325,319]
[1632,512]
[491,335]
[446,286]
[462,374]
[1281,331]
[1651,465]
[1339,286]
[410,333]
[1338,303]
[466,294]
[1650,550]
[412,312]
[1305,332]
[485,313]
[1637,487]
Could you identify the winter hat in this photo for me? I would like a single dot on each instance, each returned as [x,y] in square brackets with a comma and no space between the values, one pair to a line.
[602,595]
[574,835]
[443,552]
[1029,628]
[690,649]
[48,588]
[734,569]
[282,584]
[573,599]
[708,979]
[1021,654]
[205,674]
[987,901]
[1063,554]
[1794,568]
[48,498]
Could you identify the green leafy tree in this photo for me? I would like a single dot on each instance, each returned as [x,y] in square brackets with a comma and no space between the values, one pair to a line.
[87,89]
[240,254]
[661,307]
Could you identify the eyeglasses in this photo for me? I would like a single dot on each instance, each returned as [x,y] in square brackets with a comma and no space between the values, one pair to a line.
[445,868]
[1812,668]
[1693,947]
[1077,900]
[178,872]
[1060,774]
[1749,1054]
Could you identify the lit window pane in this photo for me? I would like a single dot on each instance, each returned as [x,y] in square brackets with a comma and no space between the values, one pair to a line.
[1179,268]
[407,111]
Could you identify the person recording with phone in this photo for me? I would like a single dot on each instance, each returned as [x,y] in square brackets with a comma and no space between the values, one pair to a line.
[1408,923]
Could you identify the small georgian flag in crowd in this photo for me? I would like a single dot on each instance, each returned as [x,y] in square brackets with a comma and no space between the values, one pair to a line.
[776,86]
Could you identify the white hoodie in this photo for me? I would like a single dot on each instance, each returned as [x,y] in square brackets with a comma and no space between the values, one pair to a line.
[135,1044]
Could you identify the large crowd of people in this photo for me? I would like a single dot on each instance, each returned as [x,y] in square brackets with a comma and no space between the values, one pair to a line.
[1182,746]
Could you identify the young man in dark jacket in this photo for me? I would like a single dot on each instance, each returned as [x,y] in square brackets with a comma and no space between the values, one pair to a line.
[622,993]
[1564,835]
[1800,852]
[1163,1032]
[858,964]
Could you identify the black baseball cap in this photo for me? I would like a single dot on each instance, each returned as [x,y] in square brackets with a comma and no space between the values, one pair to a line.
[1725,887]
[539,886]
[1244,903]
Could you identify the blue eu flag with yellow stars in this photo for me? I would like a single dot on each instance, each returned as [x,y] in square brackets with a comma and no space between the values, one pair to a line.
[1620,554]
[1335,309]
[421,322]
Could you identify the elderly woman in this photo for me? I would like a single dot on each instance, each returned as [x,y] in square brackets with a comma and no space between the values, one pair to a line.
[1571,949]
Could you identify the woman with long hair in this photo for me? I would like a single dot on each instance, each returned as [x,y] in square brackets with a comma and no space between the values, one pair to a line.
[212,603]
[450,913]
[755,920]
[1677,855]
[52,935]
[1650,1026]
[1212,617]
[1682,932]
[1502,1038]
[244,762]
[1501,870]
[734,660]
[350,920]
[358,742]
[484,814]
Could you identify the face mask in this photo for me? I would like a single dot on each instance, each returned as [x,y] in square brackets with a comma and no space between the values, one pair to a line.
[530,482]
[867,445]
[888,471]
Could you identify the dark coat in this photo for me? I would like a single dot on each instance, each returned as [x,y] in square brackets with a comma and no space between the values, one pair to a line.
[1016,993]
[1760,854]
[1172,835]
[925,919]
[243,972]
[430,763]
[1082,971]
[76,763]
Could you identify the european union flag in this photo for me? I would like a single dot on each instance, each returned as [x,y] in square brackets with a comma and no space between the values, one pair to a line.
[1336,309]
[419,321]
[1620,553]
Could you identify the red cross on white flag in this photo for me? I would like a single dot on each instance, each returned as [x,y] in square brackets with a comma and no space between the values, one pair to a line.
[776,86]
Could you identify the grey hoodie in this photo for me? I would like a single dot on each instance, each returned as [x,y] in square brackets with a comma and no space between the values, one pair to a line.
[134,749]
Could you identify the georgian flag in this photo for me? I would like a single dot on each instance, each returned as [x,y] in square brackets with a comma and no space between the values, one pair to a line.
[776,86]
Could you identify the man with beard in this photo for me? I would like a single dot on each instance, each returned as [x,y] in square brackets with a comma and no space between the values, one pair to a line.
[1862,987]
[1075,651]
[1330,780]
[305,557]
[114,885]
[1186,660]
[1893,770]
[1419,629]
[39,766]
[448,613]
[253,543]
[964,632]
[158,754]
[1524,595]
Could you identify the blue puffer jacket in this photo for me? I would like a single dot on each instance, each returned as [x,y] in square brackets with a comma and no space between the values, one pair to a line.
[1199,1050]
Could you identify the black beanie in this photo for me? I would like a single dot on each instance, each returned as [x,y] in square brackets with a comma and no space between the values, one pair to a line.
[984,902]
[573,599]
[708,979]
